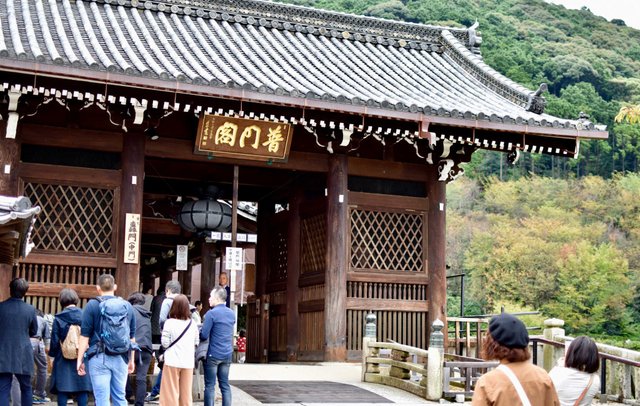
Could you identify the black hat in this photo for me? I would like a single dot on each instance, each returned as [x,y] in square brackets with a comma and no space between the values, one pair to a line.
[509,331]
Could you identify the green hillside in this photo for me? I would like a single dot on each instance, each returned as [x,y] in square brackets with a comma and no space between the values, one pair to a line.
[557,235]
[590,64]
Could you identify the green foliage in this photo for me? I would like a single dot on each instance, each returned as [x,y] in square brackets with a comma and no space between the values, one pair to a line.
[593,290]
[570,248]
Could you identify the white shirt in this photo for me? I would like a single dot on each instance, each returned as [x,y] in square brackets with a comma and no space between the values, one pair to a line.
[570,383]
[182,353]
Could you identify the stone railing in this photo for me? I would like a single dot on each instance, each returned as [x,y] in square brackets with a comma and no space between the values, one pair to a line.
[430,374]
[619,367]
[434,374]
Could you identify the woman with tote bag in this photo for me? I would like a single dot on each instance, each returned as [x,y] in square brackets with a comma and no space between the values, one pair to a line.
[179,338]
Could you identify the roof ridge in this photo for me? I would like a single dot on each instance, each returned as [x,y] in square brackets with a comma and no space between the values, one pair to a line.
[494,80]
[303,19]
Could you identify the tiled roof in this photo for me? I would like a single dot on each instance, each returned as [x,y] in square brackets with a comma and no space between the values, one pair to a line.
[16,223]
[272,48]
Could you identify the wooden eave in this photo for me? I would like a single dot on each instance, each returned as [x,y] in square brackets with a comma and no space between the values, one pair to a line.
[242,95]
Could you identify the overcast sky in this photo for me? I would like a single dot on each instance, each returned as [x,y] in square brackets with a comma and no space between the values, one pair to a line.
[626,10]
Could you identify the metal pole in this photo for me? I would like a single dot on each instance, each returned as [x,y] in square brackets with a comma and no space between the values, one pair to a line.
[462,295]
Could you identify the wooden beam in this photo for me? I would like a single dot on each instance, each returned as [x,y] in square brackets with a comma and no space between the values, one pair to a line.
[387,201]
[374,168]
[155,225]
[69,138]
[335,315]
[79,176]
[354,303]
[183,149]
[382,277]
[69,259]
[53,289]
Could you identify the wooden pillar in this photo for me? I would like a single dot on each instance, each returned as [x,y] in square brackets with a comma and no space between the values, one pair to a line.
[131,195]
[265,212]
[207,273]
[293,277]
[436,243]
[165,276]
[185,282]
[9,160]
[335,303]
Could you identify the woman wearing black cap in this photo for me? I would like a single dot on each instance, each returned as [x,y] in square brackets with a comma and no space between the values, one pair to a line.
[516,381]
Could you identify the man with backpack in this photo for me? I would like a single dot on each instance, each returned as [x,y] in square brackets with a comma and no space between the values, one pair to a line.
[106,343]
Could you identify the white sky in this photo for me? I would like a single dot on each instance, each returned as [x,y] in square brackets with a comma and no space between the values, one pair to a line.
[626,10]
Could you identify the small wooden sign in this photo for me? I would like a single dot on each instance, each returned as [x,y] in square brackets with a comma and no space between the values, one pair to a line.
[132,238]
[243,138]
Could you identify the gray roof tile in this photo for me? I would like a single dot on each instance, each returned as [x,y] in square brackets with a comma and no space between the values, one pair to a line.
[271,48]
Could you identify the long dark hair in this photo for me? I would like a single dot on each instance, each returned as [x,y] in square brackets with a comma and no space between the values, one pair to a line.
[583,355]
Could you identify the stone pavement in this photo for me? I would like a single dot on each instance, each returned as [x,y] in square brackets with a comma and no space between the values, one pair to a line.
[345,373]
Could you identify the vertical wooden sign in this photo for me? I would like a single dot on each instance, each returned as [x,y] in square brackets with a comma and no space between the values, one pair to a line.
[132,238]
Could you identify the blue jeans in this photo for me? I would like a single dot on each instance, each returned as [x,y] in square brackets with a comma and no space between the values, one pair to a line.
[219,368]
[81,397]
[155,391]
[109,377]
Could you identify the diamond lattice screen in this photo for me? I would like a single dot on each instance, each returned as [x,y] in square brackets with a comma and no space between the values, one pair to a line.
[73,218]
[387,241]
[314,247]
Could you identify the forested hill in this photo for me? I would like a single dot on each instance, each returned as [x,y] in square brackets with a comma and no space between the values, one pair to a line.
[590,64]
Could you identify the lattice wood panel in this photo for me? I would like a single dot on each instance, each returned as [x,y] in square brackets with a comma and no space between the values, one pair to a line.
[380,290]
[409,328]
[73,218]
[314,246]
[383,240]
[278,256]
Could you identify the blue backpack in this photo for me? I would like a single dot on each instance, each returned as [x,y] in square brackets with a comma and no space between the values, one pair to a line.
[114,326]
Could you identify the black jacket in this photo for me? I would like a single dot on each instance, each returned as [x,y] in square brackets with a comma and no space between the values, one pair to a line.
[18,322]
[143,327]
[156,305]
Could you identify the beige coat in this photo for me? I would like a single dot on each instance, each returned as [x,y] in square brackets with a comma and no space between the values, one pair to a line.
[495,389]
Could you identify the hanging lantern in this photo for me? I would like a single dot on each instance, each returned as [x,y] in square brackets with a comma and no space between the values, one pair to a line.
[205,215]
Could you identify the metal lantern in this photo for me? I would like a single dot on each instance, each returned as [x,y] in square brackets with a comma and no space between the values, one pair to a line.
[205,215]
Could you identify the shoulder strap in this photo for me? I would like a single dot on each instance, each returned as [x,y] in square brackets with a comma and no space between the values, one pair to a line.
[516,384]
[584,392]
[179,337]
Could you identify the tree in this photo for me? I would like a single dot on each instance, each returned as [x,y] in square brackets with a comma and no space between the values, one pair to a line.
[594,290]
[629,114]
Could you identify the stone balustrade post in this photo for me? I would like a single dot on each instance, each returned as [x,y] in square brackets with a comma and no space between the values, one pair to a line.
[551,354]
[435,359]
[370,332]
